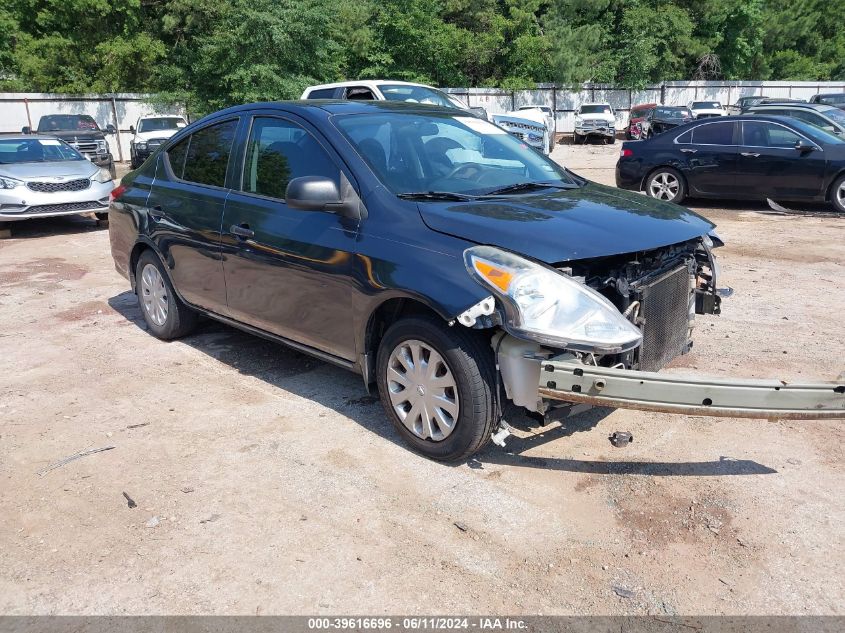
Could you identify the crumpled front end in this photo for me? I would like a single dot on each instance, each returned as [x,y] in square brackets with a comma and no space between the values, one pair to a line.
[530,132]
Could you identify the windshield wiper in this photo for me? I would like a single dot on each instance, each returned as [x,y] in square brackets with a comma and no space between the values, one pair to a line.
[434,195]
[529,186]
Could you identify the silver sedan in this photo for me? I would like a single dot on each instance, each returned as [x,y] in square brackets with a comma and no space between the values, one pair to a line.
[43,177]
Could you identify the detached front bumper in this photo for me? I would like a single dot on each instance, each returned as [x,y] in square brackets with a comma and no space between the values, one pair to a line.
[571,381]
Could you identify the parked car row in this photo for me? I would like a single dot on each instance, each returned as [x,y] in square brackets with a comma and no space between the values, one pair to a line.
[752,157]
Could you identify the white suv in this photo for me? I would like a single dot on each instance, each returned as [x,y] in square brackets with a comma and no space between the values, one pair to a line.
[387,90]
[595,119]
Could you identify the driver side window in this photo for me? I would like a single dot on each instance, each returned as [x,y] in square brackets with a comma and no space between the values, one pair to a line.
[279,151]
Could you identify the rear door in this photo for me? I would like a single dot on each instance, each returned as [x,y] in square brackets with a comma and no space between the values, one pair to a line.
[185,208]
[288,271]
[771,167]
[711,152]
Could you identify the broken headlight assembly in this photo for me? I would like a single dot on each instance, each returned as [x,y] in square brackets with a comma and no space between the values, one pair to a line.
[544,305]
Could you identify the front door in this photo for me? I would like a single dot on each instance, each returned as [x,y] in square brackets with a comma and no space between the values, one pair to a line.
[712,158]
[288,271]
[770,167]
[185,210]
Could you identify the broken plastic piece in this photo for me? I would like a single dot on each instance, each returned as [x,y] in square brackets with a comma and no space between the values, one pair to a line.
[502,433]
[485,307]
[621,439]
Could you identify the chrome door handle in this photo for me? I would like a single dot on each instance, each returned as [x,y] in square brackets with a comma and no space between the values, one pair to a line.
[749,154]
[688,150]
[241,230]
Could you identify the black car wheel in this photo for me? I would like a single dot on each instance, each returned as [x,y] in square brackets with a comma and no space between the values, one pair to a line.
[102,218]
[837,194]
[577,138]
[667,184]
[437,387]
[166,316]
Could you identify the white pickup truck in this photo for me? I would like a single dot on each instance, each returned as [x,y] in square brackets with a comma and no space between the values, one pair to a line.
[149,133]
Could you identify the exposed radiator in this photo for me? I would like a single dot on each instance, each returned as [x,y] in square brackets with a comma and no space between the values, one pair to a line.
[665,310]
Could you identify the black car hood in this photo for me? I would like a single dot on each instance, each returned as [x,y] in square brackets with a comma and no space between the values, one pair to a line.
[593,221]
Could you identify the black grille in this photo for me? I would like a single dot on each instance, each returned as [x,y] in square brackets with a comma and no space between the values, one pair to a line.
[67,207]
[155,143]
[52,187]
[665,311]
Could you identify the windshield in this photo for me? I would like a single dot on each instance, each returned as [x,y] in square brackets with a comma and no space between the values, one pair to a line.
[161,123]
[417,94]
[672,113]
[832,98]
[67,122]
[706,105]
[595,109]
[834,114]
[412,152]
[44,150]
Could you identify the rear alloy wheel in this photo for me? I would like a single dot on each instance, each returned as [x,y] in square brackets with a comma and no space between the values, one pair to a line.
[837,194]
[166,315]
[666,184]
[437,387]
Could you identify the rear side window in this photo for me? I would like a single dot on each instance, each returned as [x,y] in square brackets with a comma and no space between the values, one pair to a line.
[208,154]
[322,93]
[713,134]
[279,151]
[176,156]
[360,94]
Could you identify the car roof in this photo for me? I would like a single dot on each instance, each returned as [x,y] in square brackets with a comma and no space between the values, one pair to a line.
[639,106]
[367,83]
[27,137]
[830,94]
[597,103]
[332,106]
[794,104]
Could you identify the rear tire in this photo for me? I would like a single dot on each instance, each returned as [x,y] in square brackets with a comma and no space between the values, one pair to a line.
[423,364]
[667,184]
[612,140]
[166,315]
[837,194]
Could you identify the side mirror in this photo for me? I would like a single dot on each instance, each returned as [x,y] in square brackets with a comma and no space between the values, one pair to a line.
[110,129]
[26,130]
[803,146]
[132,129]
[316,193]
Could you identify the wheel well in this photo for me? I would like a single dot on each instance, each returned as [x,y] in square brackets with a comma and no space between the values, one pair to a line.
[134,256]
[388,313]
[675,169]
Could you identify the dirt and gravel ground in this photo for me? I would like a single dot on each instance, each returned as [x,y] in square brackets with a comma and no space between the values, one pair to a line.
[269,482]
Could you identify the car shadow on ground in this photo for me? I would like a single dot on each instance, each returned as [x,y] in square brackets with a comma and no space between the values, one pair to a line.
[788,209]
[61,225]
[294,372]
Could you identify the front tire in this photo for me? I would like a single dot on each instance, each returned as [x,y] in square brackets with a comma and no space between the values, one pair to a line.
[667,184]
[837,194]
[166,315]
[437,387]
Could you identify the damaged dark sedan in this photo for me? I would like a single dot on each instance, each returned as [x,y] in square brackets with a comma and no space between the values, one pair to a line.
[436,255]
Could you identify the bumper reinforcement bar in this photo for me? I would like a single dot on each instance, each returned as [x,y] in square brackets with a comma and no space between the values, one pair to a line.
[572,381]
